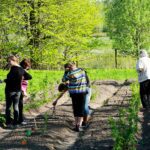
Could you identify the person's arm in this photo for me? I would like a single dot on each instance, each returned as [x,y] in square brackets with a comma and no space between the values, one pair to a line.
[65,77]
[10,76]
[27,76]
[87,79]
[55,101]
[140,66]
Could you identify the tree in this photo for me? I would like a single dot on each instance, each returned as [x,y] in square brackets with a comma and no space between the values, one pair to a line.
[78,19]
[49,32]
[128,24]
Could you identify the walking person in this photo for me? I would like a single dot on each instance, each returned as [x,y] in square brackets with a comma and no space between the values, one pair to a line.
[87,101]
[77,90]
[87,96]
[25,64]
[143,69]
[13,89]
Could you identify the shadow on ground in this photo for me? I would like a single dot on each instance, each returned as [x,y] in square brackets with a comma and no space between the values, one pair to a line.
[53,130]
[144,142]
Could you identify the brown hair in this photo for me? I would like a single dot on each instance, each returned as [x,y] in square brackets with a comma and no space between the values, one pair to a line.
[13,58]
[69,64]
[25,63]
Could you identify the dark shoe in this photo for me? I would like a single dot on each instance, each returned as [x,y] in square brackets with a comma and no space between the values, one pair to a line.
[85,125]
[78,129]
[9,126]
[15,126]
[143,109]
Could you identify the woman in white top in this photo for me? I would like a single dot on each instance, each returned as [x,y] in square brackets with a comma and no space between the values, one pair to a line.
[143,69]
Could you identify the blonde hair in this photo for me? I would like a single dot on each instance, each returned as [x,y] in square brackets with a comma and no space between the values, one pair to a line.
[13,58]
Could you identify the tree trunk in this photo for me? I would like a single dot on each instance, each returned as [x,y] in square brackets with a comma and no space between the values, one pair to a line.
[66,50]
[77,62]
[35,34]
[138,42]
[65,53]
[116,60]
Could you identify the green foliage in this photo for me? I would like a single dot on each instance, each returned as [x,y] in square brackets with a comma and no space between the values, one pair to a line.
[49,32]
[124,129]
[100,43]
[128,24]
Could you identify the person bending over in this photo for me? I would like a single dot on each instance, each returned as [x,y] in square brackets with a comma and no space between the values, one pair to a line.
[76,80]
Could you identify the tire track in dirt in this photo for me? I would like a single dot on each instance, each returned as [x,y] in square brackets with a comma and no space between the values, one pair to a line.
[54,131]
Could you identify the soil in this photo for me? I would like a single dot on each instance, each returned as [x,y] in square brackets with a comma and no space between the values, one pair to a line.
[52,130]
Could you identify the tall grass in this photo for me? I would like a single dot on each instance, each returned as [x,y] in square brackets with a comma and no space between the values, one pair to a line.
[44,80]
[101,59]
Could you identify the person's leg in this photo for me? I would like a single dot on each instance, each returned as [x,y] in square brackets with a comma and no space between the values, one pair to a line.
[86,110]
[16,97]
[8,108]
[79,122]
[148,93]
[89,94]
[80,108]
[76,120]
[21,108]
[85,120]
[74,106]
[143,94]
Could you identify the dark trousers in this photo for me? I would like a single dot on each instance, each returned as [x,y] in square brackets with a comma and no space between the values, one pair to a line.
[78,104]
[12,98]
[21,108]
[145,93]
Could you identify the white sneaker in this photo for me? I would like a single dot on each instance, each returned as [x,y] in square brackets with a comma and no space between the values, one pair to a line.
[23,123]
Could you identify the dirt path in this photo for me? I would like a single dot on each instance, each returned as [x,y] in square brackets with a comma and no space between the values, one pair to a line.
[54,131]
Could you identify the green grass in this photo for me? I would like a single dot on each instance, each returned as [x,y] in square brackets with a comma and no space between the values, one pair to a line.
[45,80]
[101,59]
[114,74]
[42,80]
